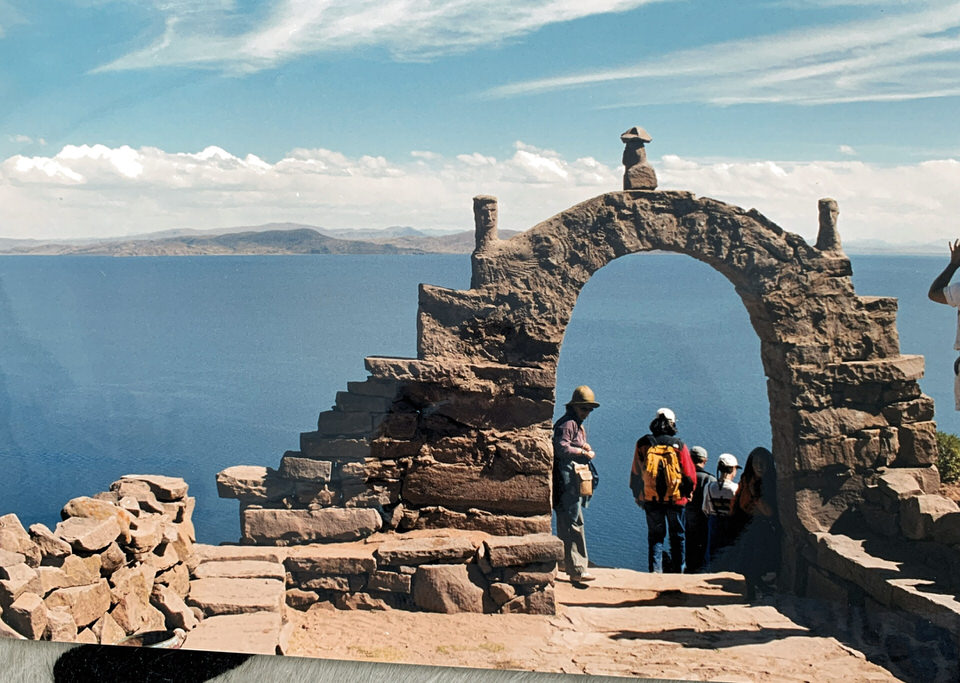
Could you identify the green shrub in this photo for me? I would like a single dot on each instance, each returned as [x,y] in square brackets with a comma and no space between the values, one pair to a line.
[948,457]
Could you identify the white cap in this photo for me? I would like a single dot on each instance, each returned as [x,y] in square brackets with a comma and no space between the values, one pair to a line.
[667,413]
[728,460]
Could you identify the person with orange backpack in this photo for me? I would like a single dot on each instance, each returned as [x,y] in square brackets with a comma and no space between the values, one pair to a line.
[662,477]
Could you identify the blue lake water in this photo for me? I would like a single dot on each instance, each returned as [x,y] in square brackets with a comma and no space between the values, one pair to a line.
[187,365]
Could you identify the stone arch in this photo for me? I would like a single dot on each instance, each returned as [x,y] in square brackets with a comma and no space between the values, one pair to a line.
[843,401]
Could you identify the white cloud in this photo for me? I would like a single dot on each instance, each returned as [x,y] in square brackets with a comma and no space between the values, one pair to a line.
[221,36]
[847,150]
[907,54]
[95,190]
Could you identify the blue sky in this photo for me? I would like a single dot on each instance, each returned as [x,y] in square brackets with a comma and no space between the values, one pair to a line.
[125,117]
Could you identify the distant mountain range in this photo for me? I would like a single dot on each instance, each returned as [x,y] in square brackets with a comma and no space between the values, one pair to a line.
[294,238]
[272,238]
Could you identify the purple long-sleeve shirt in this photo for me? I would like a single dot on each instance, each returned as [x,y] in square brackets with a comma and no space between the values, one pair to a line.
[569,439]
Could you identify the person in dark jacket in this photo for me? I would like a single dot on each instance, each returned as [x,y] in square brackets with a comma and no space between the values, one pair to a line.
[663,512]
[570,448]
[696,520]
[755,509]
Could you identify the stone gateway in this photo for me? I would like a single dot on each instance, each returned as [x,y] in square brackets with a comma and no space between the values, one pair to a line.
[459,437]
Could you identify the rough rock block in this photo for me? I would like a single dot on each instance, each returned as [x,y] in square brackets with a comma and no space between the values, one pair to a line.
[11,589]
[389,582]
[479,520]
[463,487]
[918,444]
[359,601]
[252,484]
[372,386]
[85,603]
[85,506]
[319,447]
[240,569]
[332,559]
[896,484]
[300,599]
[901,368]
[539,602]
[87,533]
[326,583]
[430,550]
[14,538]
[946,529]
[60,625]
[139,491]
[306,526]
[51,548]
[112,558]
[449,588]
[164,488]
[256,633]
[350,402]
[177,578]
[236,596]
[17,572]
[107,631]
[28,615]
[227,553]
[531,574]
[919,514]
[510,551]
[339,423]
[292,466]
[175,610]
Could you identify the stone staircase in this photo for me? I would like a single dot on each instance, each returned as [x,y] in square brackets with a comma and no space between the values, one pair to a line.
[240,591]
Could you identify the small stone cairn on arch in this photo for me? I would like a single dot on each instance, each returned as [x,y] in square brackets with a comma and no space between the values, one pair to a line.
[459,437]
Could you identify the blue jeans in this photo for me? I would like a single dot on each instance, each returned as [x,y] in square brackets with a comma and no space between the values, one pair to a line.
[659,517]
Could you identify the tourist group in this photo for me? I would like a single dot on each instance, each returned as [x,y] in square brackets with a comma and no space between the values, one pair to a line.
[696,521]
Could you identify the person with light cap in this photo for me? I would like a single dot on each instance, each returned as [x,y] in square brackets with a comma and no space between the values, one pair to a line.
[570,448]
[662,477]
[717,502]
[696,520]
[942,292]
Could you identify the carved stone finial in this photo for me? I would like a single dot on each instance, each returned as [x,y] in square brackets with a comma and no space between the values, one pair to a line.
[637,173]
[485,220]
[828,238]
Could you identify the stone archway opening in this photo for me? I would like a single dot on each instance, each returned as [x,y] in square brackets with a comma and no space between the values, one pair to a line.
[651,330]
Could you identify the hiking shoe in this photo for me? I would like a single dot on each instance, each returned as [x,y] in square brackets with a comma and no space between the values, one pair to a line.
[582,578]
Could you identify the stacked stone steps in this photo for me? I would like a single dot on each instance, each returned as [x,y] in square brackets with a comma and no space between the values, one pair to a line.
[892,604]
[240,592]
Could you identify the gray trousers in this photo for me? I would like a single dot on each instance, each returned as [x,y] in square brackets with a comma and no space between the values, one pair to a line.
[570,531]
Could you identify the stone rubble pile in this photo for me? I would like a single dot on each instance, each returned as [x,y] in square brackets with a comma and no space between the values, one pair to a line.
[115,566]
[444,572]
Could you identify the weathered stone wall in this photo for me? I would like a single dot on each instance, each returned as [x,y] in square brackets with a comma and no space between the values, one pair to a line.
[115,566]
[447,572]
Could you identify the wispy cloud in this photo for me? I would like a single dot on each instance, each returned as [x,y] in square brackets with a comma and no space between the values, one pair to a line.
[217,34]
[95,190]
[907,54]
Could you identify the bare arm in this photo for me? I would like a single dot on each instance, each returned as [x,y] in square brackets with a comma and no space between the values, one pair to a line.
[943,279]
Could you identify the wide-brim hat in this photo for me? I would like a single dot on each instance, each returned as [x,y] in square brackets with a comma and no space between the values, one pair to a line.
[583,396]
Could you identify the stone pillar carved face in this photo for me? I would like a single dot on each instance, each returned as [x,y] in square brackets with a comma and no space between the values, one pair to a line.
[828,237]
[485,220]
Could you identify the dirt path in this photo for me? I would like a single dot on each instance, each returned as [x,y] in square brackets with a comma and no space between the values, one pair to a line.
[694,627]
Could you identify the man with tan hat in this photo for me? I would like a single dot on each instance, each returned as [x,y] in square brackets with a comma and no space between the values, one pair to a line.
[571,458]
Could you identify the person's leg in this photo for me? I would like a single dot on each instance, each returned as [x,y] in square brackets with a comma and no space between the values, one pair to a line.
[656,532]
[675,518]
[570,530]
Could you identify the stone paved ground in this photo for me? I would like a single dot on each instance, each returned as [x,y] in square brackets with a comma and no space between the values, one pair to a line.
[694,627]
